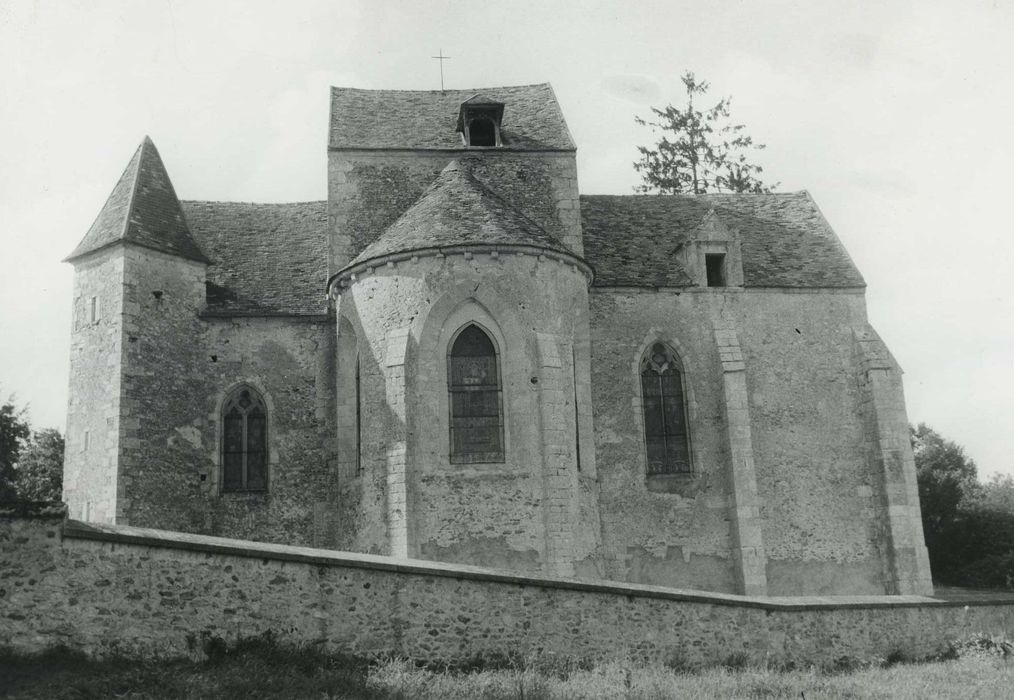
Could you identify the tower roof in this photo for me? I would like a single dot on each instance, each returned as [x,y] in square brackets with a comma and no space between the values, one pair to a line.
[459,210]
[142,209]
[427,119]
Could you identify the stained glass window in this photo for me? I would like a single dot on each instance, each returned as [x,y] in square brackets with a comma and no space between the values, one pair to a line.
[666,434]
[244,443]
[473,382]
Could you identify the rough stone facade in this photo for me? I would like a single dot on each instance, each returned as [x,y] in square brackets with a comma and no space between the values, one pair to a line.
[340,316]
[136,591]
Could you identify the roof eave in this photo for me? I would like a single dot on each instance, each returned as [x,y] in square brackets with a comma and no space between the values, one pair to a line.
[516,248]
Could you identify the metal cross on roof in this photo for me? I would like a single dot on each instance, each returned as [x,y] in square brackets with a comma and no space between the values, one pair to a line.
[441,58]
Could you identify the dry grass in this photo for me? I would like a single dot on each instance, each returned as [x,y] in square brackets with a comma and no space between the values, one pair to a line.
[263,669]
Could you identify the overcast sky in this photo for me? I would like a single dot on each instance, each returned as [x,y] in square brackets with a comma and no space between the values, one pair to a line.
[897,116]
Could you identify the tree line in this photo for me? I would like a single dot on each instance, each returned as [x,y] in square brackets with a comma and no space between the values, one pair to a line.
[31,461]
[968,524]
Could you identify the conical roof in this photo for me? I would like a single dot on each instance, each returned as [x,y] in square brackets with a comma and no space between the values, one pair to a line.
[459,210]
[142,209]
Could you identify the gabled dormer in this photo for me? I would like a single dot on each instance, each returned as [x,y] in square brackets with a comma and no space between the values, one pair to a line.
[713,256]
[479,119]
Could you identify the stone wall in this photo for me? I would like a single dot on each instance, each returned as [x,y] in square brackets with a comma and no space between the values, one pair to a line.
[118,589]
[91,458]
[167,386]
[813,511]
[536,512]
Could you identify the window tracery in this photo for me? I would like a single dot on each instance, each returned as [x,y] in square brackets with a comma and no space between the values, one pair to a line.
[476,412]
[244,441]
[666,435]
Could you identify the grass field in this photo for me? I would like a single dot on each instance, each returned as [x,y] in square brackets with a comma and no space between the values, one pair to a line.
[263,669]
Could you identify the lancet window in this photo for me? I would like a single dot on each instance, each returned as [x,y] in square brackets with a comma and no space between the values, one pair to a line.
[473,383]
[666,435]
[244,444]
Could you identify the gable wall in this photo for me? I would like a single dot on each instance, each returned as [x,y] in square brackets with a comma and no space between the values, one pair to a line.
[814,482]
[369,190]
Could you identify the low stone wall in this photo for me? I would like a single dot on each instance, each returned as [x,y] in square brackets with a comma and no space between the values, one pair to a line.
[106,588]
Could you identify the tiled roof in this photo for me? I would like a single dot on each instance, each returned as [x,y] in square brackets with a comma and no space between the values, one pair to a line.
[142,209]
[458,210]
[426,119]
[786,242]
[267,258]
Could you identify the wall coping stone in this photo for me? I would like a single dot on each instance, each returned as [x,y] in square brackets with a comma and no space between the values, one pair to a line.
[74,529]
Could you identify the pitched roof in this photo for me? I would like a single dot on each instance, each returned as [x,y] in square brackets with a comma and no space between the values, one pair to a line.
[142,209]
[631,240]
[457,209]
[268,258]
[426,119]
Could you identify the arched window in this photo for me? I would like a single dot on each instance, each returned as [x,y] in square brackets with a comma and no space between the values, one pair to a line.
[665,418]
[481,132]
[244,443]
[473,384]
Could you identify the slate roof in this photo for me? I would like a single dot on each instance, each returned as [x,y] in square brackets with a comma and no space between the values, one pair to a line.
[457,209]
[631,240]
[142,209]
[427,119]
[268,259]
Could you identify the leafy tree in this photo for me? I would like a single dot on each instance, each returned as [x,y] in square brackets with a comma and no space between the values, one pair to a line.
[699,151]
[998,493]
[947,479]
[14,431]
[40,468]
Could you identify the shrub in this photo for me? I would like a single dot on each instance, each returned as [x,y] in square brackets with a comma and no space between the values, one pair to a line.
[980,644]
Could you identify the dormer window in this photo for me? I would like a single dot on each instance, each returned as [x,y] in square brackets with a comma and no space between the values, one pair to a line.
[479,122]
[481,132]
[714,264]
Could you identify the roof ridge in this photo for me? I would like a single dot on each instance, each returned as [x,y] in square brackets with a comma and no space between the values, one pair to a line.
[133,188]
[471,89]
[689,195]
[259,204]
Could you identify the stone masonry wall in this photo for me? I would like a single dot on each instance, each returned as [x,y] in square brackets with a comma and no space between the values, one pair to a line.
[814,482]
[93,412]
[369,190]
[115,589]
[526,514]
[178,368]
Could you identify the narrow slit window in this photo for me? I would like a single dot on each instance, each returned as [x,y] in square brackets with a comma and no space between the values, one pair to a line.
[244,444]
[666,436]
[93,313]
[715,265]
[359,421]
[473,383]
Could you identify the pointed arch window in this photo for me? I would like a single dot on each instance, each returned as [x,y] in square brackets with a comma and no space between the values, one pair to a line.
[473,384]
[666,435]
[244,443]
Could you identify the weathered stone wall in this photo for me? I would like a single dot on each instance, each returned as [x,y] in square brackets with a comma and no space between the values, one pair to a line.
[526,514]
[369,190]
[815,485]
[115,589]
[177,370]
[91,458]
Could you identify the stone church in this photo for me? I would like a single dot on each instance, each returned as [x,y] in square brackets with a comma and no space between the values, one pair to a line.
[458,357]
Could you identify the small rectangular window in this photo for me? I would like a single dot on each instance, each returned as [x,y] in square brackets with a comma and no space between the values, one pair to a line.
[94,313]
[715,264]
[87,436]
